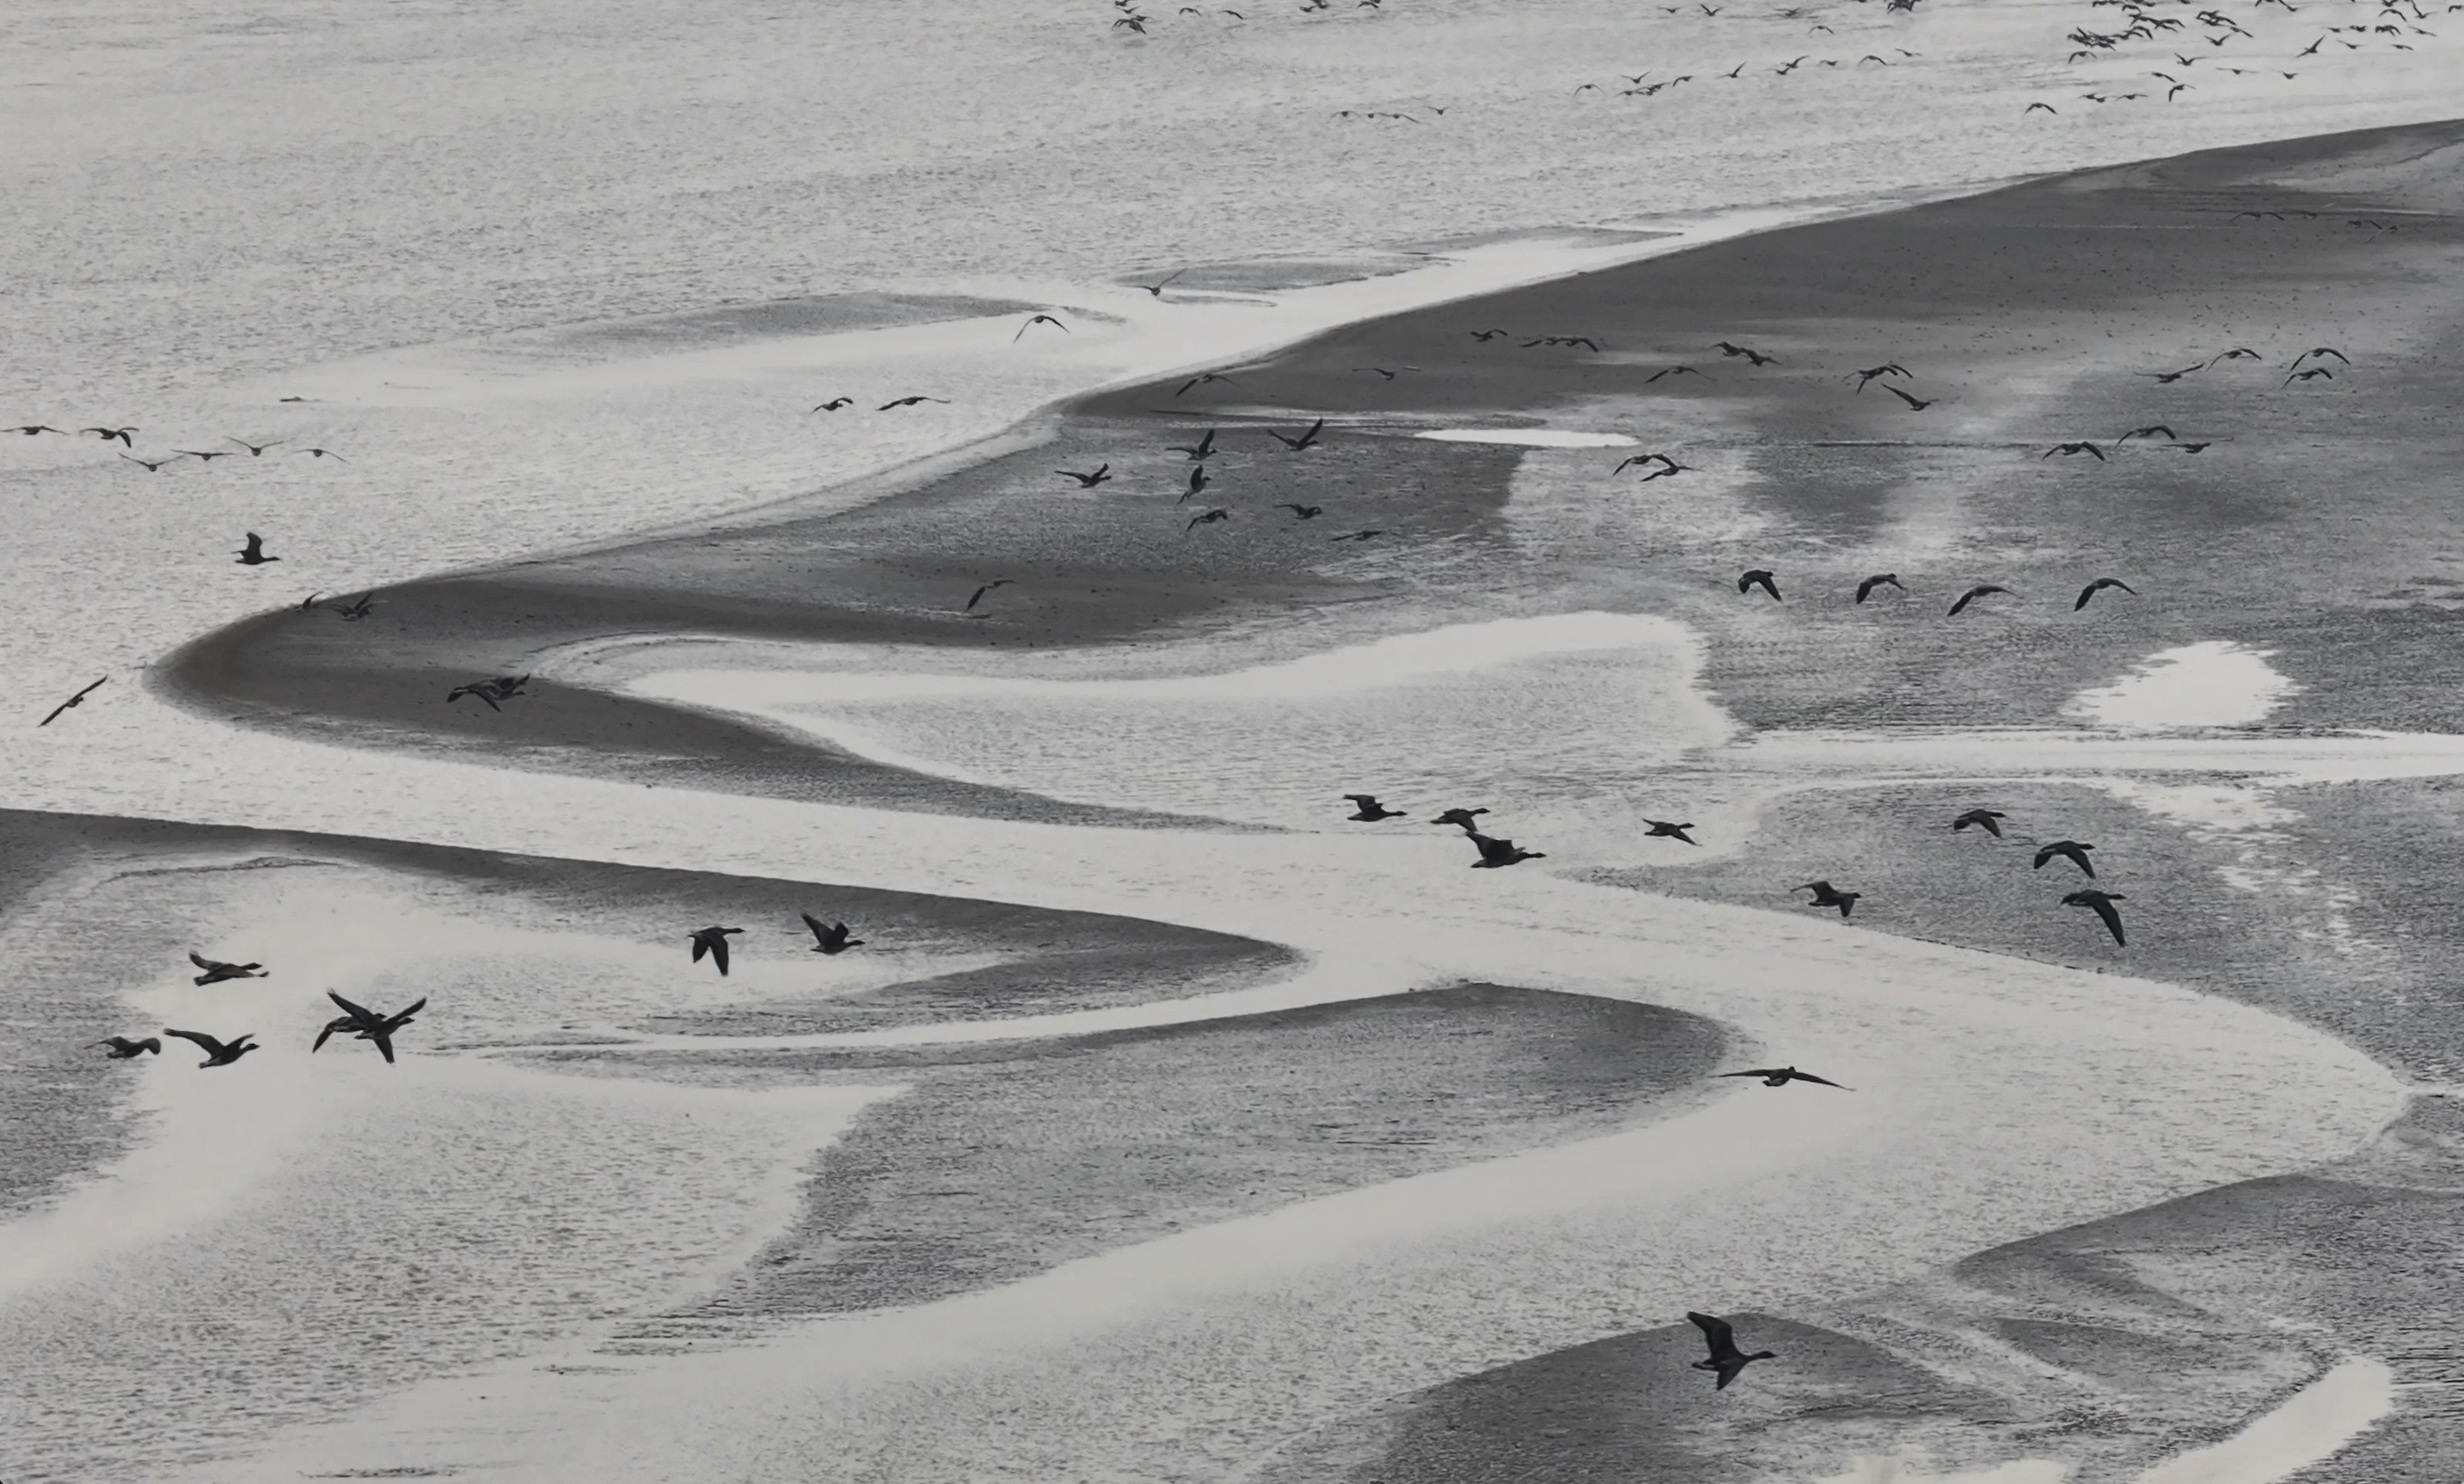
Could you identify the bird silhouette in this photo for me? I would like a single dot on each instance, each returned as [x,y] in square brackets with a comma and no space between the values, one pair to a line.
[498,688]
[358,607]
[1494,853]
[70,704]
[2098,585]
[1866,589]
[1673,370]
[109,434]
[1987,820]
[2070,850]
[1303,512]
[152,465]
[1726,1360]
[1781,1076]
[997,581]
[216,971]
[2047,107]
[31,429]
[712,941]
[1089,479]
[831,406]
[2237,353]
[1463,817]
[1157,288]
[321,453]
[1198,452]
[2321,350]
[1358,535]
[1915,404]
[2313,374]
[1034,319]
[1642,459]
[1825,895]
[910,402]
[254,553]
[1485,336]
[2149,432]
[123,1048]
[2170,377]
[218,1053]
[256,450]
[829,937]
[1753,356]
[204,455]
[1368,809]
[1662,829]
[367,1025]
[1200,380]
[1199,480]
[1981,589]
[1206,518]
[1669,469]
[2102,904]
[1759,577]
[2081,447]
[1871,372]
[1304,440]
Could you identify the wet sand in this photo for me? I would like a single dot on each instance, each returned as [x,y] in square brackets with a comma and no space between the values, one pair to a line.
[2035,316]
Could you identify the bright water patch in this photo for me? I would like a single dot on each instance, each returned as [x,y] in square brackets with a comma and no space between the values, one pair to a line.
[1529,437]
[2216,682]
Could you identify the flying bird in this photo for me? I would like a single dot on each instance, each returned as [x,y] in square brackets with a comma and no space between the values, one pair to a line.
[1304,440]
[322,453]
[218,1053]
[204,455]
[2237,353]
[31,429]
[367,1025]
[1369,809]
[1825,895]
[2069,849]
[1303,512]
[1034,319]
[1662,829]
[1866,589]
[829,937]
[256,450]
[2047,107]
[2149,432]
[1759,577]
[358,607]
[2102,904]
[1642,459]
[109,434]
[1200,379]
[1358,535]
[216,971]
[254,553]
[1088,480]
[1987,820]
[2323,350]
[831,406]
[997,581]
[1915,404]
[1206,518]
[1781,1076]
[1726,1360]
[1869,373]
[1981,589]
[1157,288]
[1757,357]
[2170,377]
[491,691]
[1197,483]
[1674,370]
[712,941]
[70,704]
[123,1048]
[2313,374]
[1494,853]
[1198,451]
[1485,336]
[152,465]
[2098,585]
[1463,817]
[2081,447]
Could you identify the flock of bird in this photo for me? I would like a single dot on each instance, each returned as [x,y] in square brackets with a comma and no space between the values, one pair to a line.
[157,463]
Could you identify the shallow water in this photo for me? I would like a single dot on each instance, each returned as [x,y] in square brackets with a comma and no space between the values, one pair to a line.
[2213,683]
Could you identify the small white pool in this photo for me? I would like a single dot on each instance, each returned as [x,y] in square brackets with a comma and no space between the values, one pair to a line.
[2213,683]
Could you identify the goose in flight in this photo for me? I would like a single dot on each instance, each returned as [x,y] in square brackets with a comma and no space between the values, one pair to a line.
[829,937]
[2082,446]
[2098,585]
[2313,374]
[2149,432]
[1662,829]
[218,1053]
[2102,904]
[367,1025]
[2070,850]
[1987,820]
[216,971]
[322,453]
[256,450]
[2170,377]
[1494,853]
[109,434]
[503,687]
[1915,404]
[1485,336]
[1034,320]
[1759,577]
[712,941]
[1869,373]
[831,406]
[1980,591]
[358,607]
[1463,817]
[204,455]
[1726,1360]
[2321,350]
[1303,512]
[1157,288]
[1674,370]
[152,465]
[1644,459]
[1206,518]
[1369,809]
[1304,440]
[254,553]
[1757,357]
[910,402]
[1781,1076]
[1369,534]
[997,581]
[31,429]
[2237,353]
[1866,589]
[1198,451]
[70,704]
[1825,895]
[123,1048]
[1199,480]
[1089,479]
[1201,378]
